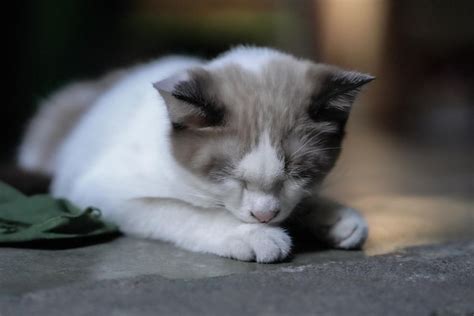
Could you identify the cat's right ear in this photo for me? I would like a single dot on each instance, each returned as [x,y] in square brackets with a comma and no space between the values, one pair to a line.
[189,101]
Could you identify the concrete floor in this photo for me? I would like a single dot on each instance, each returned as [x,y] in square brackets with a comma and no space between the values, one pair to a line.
[436,280]
[130,276]
[419,259]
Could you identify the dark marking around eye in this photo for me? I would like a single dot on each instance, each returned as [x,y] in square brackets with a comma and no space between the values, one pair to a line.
[178,126]
[313,161]
[287,164]
[218,169]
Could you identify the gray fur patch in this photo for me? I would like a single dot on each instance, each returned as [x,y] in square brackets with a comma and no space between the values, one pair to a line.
[302,105]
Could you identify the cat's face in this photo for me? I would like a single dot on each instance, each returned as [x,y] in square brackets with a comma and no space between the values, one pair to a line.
[265,137]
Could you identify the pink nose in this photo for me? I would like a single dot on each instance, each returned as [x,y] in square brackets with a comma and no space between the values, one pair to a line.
[264,216]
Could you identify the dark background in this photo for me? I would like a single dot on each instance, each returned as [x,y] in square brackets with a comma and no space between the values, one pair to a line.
[422,53]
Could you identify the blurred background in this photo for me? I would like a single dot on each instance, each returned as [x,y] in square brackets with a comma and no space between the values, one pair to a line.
[411,131]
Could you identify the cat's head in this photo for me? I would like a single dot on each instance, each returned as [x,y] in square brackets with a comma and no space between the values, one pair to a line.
[261,125]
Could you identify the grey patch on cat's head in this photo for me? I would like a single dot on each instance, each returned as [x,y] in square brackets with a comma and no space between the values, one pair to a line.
[221,115]
[266,134]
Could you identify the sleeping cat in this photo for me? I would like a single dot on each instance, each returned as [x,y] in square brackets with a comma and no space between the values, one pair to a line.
[210,155]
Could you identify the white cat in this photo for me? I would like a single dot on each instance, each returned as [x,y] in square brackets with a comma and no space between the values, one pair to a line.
[210,156]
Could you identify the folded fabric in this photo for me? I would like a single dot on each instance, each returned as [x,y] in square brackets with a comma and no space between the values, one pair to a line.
[44,218]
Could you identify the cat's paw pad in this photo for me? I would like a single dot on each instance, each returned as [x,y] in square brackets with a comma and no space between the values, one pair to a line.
[349,232]
[261,243]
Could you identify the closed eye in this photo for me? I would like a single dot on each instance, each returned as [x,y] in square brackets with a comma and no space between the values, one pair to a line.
[242,182]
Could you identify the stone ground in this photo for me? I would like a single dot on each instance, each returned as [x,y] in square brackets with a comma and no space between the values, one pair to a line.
[130,276]
[419,259]
[436,280]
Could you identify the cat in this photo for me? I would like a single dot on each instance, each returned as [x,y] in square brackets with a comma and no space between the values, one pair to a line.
[213,156]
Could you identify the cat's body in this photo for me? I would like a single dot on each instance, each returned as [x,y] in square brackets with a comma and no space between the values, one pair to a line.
[209,156]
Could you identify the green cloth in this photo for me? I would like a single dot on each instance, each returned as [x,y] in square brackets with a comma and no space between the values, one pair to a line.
[43,218]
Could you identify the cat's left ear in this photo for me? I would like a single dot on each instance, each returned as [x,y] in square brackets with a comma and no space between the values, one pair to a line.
[189,101]
[336,92]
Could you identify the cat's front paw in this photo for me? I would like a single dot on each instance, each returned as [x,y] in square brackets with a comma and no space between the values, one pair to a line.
[350,231]
[255,242]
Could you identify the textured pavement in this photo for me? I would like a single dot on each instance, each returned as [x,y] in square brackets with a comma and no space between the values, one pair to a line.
[436,280]
[139,277]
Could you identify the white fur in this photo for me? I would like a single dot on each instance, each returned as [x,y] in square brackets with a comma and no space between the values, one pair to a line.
[345,228]
[56,117]
[119,153]
[117,158]
[261,166]
[248,57]
[350,231]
